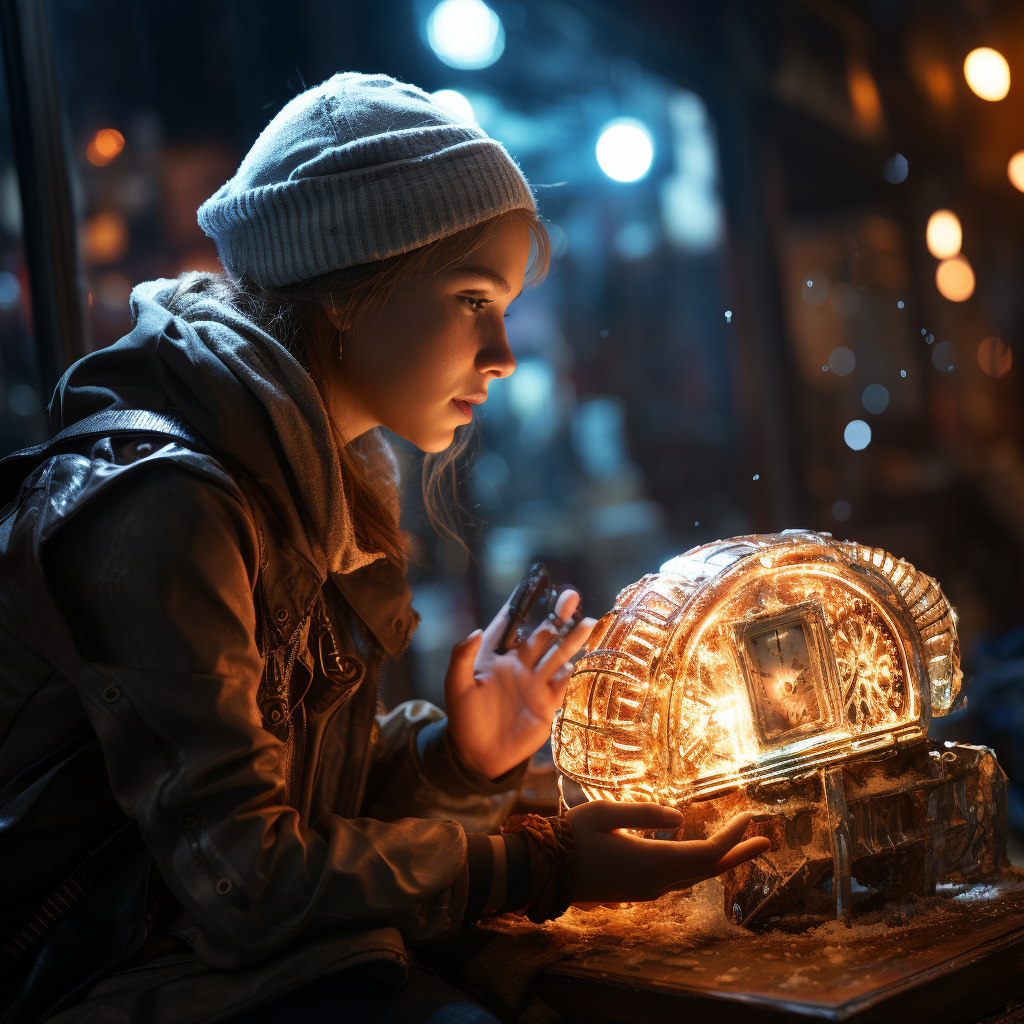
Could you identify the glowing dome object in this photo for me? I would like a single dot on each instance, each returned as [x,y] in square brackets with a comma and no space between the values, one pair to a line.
[625,150]
[1015,170]
[453,101]
[791,676]
[995,357]
[955,279]
[987,73]
[944,235]
[465,34]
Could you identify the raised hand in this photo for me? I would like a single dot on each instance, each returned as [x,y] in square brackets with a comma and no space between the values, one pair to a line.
[500,706]
[615,867]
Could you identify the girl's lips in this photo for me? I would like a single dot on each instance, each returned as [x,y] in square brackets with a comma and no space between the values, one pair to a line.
[464,407]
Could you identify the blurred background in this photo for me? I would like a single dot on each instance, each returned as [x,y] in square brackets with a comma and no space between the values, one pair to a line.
[785,289]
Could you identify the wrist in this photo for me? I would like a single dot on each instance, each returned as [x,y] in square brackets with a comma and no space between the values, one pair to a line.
[499,876]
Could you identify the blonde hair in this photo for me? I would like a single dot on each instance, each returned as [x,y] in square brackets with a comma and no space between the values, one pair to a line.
[297,317]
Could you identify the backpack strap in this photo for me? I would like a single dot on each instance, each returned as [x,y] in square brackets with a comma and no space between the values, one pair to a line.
[108,423]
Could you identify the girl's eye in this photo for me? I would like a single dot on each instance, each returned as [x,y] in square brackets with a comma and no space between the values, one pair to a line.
[476,303]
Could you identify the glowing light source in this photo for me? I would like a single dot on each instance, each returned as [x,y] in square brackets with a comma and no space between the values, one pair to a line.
[995,357]
[987,73]
[454,102]
[625,150]
[465,34]
[1015,170]
[857,435]
[105,237]
[104,146]
[944,235]
[955,279]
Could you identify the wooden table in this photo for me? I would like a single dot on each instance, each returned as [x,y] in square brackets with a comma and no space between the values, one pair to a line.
[939,968]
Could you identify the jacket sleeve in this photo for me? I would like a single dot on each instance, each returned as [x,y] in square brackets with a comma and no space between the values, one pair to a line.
[417,772]
[156,579]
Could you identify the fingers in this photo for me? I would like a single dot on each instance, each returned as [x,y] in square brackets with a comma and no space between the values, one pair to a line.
[546,634]
[606,815]
[460,675]
[492,634]
[723,840]
[742,852]
[557,656]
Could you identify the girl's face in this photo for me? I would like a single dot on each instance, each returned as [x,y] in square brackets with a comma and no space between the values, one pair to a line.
[421,364]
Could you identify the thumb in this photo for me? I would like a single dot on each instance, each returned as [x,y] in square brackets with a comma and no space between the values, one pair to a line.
[460,666]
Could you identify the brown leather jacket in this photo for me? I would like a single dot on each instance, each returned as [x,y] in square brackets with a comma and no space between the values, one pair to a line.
[175,658]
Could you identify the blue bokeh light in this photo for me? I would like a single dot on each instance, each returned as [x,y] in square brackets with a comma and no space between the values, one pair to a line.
[465,34]
[625,150]
[455,102]
[857,435]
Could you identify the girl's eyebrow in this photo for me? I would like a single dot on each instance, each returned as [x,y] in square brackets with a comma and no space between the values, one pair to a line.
[489,275]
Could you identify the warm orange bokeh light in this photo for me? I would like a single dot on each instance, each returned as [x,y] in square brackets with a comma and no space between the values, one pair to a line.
[104,237]
[106,144]
[955,279]
[995,357]
[944,234]
[987,73]
[1015,170]
[864,98]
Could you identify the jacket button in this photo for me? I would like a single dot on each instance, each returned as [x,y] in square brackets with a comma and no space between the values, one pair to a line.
[282,614]
[111,693]
[189,820]
[350,668]
[224,886]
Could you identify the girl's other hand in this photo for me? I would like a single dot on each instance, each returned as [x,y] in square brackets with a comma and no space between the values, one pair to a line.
[615,867]
[500,706]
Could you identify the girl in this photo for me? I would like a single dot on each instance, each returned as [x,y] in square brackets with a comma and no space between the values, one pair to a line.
[202,576]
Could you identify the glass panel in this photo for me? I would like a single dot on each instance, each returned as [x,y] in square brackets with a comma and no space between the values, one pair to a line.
[22,412]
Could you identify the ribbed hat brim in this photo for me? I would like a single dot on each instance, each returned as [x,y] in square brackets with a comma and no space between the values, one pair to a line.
[296,230]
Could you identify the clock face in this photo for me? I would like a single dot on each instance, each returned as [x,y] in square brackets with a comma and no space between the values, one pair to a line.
[784,679]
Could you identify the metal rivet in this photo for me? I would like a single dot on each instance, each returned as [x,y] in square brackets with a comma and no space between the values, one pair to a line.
[275,715]
[189,820]
[224,886]
[282,614]
[111,693]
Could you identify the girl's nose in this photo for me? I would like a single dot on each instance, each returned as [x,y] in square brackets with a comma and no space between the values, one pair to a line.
[496,357]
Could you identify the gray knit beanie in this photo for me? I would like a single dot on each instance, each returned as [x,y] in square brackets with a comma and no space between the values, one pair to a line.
[356,169]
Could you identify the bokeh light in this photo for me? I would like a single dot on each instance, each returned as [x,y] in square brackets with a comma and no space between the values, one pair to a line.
[454,102]
[944,234]
[841,361]
[895,169]
[842,511]
[105,237]
[814,288]
[987,73]
[1015,170]
[955,279]
[995,357]
[465,34]
[625,150]
[875,398]
[104,146]
[945,357]
[857,435]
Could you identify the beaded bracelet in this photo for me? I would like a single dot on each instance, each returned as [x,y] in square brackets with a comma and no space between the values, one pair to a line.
[552,849]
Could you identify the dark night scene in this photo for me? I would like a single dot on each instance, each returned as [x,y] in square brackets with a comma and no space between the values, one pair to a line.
[511,511]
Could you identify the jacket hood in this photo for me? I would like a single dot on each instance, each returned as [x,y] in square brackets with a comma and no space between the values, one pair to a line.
[247,398]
